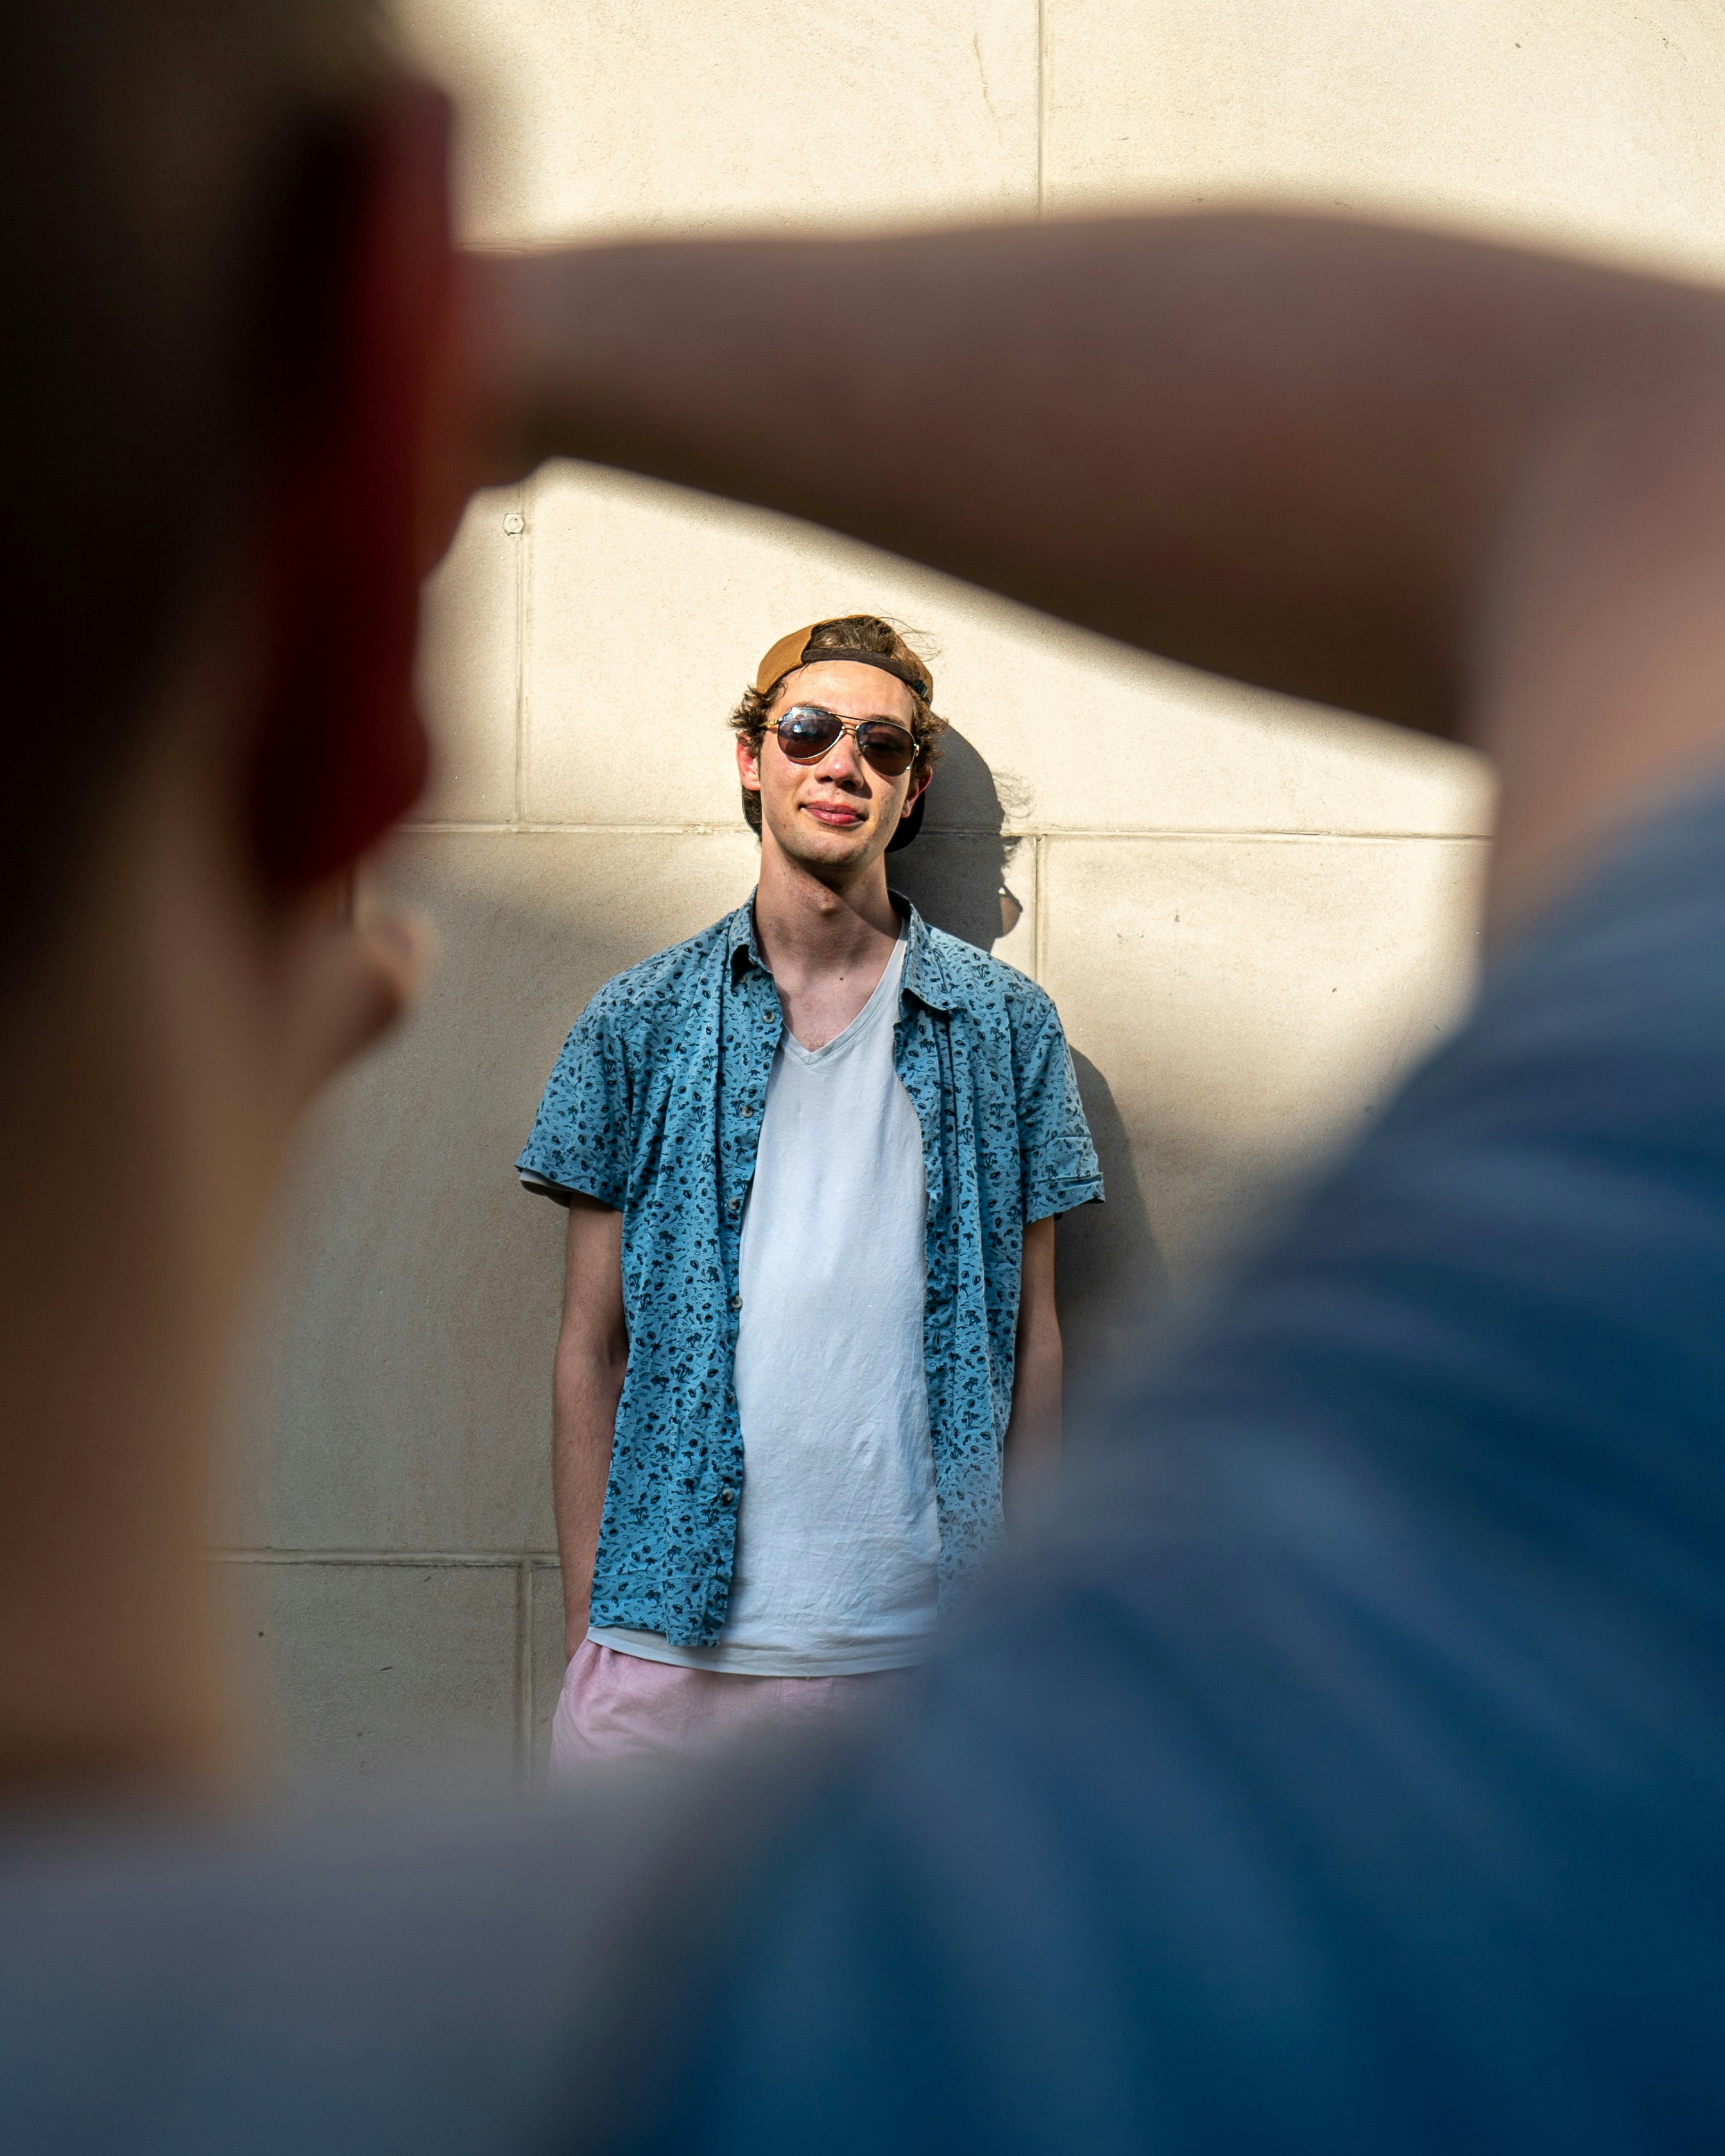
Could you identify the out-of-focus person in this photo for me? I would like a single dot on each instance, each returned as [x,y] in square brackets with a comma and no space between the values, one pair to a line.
[1341,1769]
[812,1158]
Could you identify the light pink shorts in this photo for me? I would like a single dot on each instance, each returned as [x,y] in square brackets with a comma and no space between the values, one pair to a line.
[621,1706]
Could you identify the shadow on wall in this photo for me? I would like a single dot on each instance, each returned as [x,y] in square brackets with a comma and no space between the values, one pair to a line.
[1113,1283]
[955,874]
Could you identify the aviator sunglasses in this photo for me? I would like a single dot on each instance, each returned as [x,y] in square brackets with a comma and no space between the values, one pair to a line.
[806,733]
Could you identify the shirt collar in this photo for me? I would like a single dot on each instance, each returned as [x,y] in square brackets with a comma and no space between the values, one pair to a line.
[925,977]
[741,947]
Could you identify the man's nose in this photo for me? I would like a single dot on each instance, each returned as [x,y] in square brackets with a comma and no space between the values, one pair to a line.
[842,760]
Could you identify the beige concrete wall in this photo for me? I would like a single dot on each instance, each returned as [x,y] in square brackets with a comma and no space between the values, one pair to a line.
[1251,915]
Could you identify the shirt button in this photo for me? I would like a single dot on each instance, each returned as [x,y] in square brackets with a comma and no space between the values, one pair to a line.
[736,1303]
[731,1204]
[727,1496]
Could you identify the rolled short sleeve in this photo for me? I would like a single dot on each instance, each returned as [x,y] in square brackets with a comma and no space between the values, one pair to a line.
[579,1141]
[1060,1164]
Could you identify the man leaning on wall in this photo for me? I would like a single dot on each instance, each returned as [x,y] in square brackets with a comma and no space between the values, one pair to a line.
[1342,1767]
[812,1159]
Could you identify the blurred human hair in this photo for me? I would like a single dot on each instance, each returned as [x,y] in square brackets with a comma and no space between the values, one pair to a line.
[833,639]
[172,173]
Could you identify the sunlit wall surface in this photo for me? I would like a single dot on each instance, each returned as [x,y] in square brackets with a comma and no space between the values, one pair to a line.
[1250,915]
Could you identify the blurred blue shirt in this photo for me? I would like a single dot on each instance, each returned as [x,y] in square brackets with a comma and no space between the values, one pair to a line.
[1344,1770]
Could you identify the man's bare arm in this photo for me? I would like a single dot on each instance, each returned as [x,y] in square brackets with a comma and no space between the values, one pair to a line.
[592,1357]
[1467,488]
[1033,1437]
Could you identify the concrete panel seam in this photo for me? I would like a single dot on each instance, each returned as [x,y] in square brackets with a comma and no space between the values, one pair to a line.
[1221,834]
[1039,941]
[524,1671]
[524,540]
[528,1560]
[1041,101]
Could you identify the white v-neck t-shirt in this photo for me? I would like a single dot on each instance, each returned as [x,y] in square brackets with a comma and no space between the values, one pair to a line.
[837,1535]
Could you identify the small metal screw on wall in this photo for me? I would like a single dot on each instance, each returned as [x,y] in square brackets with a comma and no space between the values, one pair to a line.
[514,523]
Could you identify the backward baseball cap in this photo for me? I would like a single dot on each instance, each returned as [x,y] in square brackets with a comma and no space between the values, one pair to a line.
[792,651]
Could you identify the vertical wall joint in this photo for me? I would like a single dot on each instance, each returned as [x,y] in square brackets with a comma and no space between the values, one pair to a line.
[524,1671]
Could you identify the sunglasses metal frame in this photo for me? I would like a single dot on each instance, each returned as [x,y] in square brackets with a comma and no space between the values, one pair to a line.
[855,728]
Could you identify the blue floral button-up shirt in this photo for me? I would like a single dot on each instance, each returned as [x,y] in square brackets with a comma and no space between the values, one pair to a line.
[654,1106]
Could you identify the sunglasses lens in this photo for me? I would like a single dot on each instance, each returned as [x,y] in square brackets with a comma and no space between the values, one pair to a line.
[888,748]
[805,736]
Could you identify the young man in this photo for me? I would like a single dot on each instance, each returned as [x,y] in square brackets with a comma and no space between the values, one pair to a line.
[813,1160]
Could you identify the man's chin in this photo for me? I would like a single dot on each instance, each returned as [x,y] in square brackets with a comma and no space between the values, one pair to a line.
[824,845]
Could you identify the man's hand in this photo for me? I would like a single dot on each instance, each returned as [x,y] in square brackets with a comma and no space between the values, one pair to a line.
[592,1360]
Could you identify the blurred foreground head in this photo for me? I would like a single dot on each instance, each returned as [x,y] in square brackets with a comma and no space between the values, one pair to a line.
[228,298]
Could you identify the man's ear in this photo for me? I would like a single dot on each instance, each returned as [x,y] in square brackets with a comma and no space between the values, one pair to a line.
[361,496]
[748,764]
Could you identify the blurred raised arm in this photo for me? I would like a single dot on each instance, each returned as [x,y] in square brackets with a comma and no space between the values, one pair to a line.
[1470,490]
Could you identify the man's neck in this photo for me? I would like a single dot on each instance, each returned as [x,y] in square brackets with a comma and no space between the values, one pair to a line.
[809,928]
[826,944]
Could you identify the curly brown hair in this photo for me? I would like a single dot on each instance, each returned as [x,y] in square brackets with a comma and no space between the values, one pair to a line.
[850,632]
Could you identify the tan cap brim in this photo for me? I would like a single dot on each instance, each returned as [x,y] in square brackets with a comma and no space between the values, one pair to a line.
[785,656]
